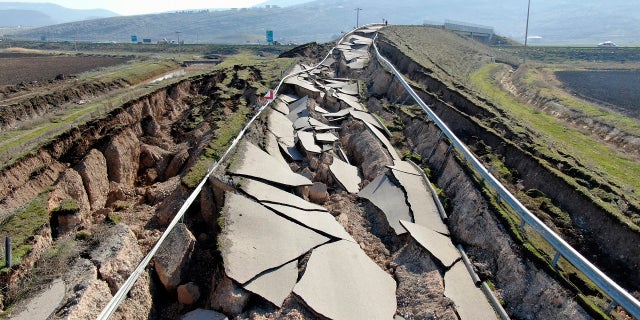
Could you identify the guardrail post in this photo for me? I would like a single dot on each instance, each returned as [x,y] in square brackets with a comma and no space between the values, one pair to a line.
[556,258]
[7,251]
[450,148]
[523,224]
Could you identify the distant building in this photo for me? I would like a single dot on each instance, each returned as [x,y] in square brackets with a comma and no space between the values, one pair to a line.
[478,32]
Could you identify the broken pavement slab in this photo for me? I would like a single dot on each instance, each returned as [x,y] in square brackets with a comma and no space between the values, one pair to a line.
[282,128]
[346,175]
[298,109]
[404,166]
[371,119]
[424,209]
[389,198]
[267,193]
[280,106]
[350,89]
[326,137]
[273,147]
[288,98]
[302,123]
[275,285]
[321,110]
[351,101]
[469,300]
[308,142]
[251,162]
[254,239]
[300,82]
[385,142]
[292,152]
[439,245]
[322,222]
[358,289]
[338,114]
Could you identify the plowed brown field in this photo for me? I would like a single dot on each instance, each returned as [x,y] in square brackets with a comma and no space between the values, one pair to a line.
[17,68]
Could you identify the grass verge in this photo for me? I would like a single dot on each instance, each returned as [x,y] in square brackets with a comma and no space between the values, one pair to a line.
[555,140]
[23,225]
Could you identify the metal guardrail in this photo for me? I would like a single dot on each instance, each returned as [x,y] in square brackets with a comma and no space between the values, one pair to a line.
[617,293]
[121,294]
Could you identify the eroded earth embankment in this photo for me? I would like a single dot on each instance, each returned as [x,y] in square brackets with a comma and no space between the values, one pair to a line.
[596,232]
[112,184]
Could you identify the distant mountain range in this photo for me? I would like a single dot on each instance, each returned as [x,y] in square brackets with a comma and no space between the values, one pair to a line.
[20,14]
[552,22]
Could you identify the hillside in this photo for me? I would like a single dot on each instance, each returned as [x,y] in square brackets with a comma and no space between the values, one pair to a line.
[587,22]
[14,14]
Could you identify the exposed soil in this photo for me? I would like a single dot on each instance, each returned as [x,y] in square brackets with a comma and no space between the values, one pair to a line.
[33,68]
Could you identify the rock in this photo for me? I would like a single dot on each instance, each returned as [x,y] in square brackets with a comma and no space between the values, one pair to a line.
[138,304]
[117,255]
[86,295]
[171,204]
[150,176]
[175,166]
[93,170]
[161,190]
[68,187]
[188,293]
[123,157]
[118,193]
[307,173]
[229,297]
[173,256]
[313,163]
[202,314]
[150,127]
[318,193]
[66,224]
[154,157]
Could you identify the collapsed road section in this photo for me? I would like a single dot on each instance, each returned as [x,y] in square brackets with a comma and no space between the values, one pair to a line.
[315,213]
[322,202]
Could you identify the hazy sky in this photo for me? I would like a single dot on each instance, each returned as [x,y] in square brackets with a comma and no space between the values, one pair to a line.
[129,7]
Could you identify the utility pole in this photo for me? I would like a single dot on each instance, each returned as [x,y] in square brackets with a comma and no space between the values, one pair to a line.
[526,35]
[357,17]
[178,33]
